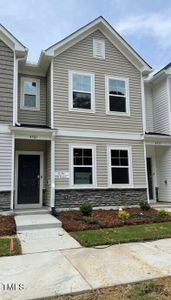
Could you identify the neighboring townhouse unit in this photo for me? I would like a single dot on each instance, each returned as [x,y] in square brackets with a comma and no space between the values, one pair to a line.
[158,134]
[72,126]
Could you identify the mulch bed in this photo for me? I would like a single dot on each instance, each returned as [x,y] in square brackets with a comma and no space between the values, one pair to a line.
[74,220]
[7,225]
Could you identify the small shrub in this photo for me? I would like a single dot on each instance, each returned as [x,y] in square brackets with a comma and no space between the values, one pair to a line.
[86,209]
[163,213]
[89,220]
[144,205]
[123,215]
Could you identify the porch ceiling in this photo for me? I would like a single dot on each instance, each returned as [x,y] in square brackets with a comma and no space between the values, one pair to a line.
[157,140]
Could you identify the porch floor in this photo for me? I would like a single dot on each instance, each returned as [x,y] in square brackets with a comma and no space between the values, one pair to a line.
[32,211]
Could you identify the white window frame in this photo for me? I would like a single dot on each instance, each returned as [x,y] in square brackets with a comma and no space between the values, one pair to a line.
[130,170]
[22,106]
[82,146]
[71,108]
[117,113]
[94,48]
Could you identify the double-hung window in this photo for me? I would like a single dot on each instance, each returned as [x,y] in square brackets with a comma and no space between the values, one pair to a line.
[117,95]
[120,169]
[82,165]
[81,91]
[30,94]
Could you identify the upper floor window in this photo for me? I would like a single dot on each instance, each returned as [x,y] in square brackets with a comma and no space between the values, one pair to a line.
[117,95]
[30,94]
[99,48]
[81,91]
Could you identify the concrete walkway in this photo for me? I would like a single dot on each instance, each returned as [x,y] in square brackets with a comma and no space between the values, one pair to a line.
[41,233]
[43,240]
[76,270]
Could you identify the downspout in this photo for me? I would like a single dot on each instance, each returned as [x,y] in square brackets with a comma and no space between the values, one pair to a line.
[16,90]
[15,121]
[144,130]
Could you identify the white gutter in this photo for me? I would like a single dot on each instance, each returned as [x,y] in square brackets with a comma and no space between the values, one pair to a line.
[15,91]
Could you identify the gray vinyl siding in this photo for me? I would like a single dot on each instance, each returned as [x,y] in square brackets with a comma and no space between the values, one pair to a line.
[5,161]
[149,108]
[48,103]
[80,57]
[6,83]
[30,116]
[62,159]
[161,107]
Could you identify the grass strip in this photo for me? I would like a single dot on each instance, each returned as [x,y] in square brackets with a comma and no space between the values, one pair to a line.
[125,234]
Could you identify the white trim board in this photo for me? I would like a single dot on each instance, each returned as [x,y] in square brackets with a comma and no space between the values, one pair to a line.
[40,153]
[100,134]
[10,40]
[102,187]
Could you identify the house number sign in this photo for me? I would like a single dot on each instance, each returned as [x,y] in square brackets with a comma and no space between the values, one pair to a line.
[34,137]
[62,174]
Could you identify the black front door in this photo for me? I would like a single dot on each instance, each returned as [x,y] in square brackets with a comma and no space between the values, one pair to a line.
[28,179]
[150,177]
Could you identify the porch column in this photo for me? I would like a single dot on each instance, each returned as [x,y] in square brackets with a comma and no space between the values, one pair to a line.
[53,171]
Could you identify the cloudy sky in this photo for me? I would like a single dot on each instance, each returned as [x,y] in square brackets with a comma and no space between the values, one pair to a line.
[145,24]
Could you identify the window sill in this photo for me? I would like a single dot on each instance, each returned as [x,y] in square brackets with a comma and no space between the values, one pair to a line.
[121,186]
[81,186]
[30,108]
[77,110]
[119,114]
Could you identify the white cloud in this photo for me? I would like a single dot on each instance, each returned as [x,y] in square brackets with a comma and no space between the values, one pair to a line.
[157,26]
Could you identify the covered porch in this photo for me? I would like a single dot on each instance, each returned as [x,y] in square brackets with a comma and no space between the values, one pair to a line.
[33,174]
[158,162]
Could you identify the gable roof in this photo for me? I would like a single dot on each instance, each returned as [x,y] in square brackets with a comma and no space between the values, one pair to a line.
[163,69]
[10,40]
[101,24]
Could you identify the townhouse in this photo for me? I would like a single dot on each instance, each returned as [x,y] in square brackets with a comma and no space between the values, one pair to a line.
[158,135]
[78,125]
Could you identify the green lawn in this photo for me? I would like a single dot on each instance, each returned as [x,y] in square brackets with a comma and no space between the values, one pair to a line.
[131,233]
[5,246]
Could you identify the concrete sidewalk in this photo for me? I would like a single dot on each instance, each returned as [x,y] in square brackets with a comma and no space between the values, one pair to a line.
[76,270]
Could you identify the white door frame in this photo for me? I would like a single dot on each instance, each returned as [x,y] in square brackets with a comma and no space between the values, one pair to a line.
[151,153]
[40,153]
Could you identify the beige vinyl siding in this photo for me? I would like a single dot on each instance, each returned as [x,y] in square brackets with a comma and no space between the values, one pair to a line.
[5,161]
[27,145]
[6,83]
[161,107]
[32,117]
[80,57]
[48,102]
[63,164]
[148,108]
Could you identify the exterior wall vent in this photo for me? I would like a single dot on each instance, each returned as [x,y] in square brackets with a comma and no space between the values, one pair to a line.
[99,48]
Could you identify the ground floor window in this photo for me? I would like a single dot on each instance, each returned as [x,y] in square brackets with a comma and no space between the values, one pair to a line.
[82,165]
[120,166]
